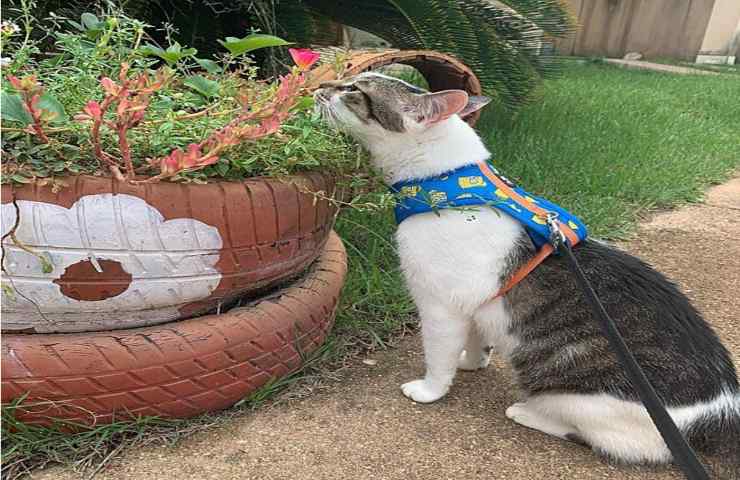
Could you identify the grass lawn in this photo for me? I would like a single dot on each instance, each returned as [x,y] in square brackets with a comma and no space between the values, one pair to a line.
[611,143]
[607,143]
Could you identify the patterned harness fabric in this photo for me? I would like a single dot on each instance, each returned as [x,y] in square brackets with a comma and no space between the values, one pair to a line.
[469,188]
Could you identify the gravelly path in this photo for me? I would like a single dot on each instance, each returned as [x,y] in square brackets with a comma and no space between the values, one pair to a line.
[363,428]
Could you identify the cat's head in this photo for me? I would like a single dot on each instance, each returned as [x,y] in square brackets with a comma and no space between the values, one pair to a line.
[372,106]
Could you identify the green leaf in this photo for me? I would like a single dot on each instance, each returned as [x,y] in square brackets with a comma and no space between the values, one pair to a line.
[222,168]
[172,55]
[76,25]
[209,65]
[55,60]
[20,179]
[46,265]
[92,27]
[207,88]
[303,104]
[50,103]
[90,21]
[177,49]
[240,46]
[13,109]
[9,291]
[150,50]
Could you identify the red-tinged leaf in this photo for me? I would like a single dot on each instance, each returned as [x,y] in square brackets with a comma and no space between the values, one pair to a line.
[25,84]
[47,115]
[123,106]
[92,108]
[137,117]
[141,81]
[122,74]
[192,156]
[205,161]
[161,77]
[270,125]
[15,82]
[33,104]
[171,164]
[109,86]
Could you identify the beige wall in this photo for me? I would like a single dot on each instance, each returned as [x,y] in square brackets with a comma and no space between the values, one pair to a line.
[655,28]
[723,29]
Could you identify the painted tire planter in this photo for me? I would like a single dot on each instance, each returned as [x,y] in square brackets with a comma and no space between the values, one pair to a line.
[117,255]
[441,71]
[180,369]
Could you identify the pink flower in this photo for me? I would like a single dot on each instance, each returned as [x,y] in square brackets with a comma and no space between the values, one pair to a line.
[303,57]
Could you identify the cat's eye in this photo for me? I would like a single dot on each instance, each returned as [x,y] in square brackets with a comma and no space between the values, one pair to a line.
[348,88]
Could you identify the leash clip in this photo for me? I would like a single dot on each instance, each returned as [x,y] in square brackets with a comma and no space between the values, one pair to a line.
[557,237]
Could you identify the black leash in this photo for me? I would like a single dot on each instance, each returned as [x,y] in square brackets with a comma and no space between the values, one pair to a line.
[682,452]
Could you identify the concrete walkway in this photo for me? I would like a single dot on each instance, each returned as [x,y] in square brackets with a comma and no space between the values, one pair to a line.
[658,67]
[363,428]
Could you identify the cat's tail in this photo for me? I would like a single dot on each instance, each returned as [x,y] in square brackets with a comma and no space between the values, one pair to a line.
[716,433]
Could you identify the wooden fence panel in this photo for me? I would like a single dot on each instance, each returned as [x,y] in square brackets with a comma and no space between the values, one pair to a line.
[656,28]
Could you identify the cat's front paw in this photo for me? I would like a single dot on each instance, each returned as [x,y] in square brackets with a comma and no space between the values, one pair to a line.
[472,362]
[422,391]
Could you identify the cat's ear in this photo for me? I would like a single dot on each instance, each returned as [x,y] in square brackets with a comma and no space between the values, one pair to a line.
[439,106]
[475,103]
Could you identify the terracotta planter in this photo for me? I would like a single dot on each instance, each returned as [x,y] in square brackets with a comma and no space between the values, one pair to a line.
[180,369]
[441,71]
[107,255]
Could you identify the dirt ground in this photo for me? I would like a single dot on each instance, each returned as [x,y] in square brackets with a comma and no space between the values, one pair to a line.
[362,427]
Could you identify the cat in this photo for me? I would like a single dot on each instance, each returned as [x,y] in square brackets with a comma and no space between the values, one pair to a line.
[453,261]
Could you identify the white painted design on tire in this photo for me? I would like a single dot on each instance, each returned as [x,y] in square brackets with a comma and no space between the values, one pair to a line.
[171,262]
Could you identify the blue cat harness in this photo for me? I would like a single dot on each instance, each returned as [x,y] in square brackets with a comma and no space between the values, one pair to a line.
[481,185]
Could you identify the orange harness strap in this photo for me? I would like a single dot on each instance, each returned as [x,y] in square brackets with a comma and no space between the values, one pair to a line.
[545,251]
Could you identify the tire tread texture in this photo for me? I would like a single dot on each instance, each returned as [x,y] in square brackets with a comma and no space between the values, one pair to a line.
[179,369]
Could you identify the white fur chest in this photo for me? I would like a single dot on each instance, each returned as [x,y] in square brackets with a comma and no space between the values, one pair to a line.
[456,257]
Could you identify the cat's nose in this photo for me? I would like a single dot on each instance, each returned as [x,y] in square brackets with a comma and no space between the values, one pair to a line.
[321,94]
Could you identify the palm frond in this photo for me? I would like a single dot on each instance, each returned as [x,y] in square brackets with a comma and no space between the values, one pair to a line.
[500,40]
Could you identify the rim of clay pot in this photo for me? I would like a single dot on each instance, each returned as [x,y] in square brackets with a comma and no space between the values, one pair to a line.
[201,245]
[442,71]
[179,369]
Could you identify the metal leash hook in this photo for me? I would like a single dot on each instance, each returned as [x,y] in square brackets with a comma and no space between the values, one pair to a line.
[557,237]
[682,452]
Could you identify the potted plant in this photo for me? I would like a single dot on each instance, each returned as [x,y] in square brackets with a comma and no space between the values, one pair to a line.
[166,223]
[144,184]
